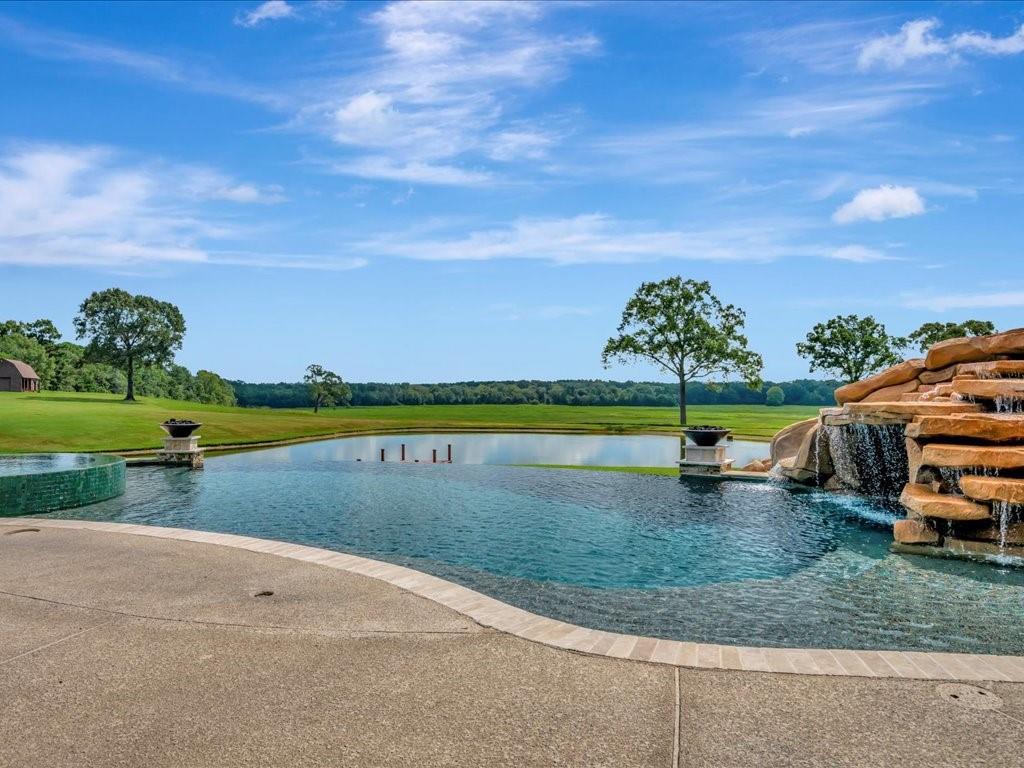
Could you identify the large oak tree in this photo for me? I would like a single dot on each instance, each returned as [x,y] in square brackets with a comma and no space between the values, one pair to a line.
[682,327]
[125,330]
[850,346]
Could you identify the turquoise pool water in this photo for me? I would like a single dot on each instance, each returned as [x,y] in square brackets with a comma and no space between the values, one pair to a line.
[40,463]
[726,562]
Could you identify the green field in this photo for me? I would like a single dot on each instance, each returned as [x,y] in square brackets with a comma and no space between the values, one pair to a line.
[78,421]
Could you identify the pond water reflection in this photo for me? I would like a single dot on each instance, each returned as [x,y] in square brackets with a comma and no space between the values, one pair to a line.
[512,448]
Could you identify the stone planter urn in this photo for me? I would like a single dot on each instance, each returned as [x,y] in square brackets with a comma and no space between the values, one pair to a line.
[705,435]
[180,427]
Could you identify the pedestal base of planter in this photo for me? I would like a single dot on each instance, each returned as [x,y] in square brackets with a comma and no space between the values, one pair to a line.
[704,460]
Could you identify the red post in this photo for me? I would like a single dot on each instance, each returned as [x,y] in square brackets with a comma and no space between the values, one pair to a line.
[434,459]
[449,453]
[382,454]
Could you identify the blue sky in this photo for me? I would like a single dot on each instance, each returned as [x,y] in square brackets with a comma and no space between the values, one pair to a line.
[435,192]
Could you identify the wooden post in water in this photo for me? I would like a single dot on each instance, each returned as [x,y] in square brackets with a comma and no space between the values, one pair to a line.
[403,451]
[382,454]
[449,453]
[434,456]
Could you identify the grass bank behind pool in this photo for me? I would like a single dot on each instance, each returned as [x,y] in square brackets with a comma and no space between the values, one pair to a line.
[80,421]
[666,471]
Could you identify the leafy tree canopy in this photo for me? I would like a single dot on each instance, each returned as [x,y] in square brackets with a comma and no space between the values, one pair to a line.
[325,387]
[774,396]
[850,347]
[682,327]
[125,330]
[933,333]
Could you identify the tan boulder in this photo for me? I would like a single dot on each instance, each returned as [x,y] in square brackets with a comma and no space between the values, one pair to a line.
[898,374]
[989,389]
[975,349]
[789,469]
[759,465]
[986,427]
[914,532]
[990,370]
[1013,535]
[914,458]
[922,501]
[938,377]
[1004,489]
[995,457]
[787,440]
[906,411]
[888,394]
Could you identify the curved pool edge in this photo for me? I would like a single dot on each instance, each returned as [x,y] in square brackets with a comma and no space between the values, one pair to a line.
[495,614]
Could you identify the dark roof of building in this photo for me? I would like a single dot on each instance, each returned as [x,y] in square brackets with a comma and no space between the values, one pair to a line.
[24,369]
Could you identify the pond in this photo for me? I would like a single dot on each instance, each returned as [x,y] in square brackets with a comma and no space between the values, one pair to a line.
[519,448]
[701,560]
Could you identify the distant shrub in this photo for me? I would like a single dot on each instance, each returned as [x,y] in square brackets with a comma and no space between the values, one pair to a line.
[774,396]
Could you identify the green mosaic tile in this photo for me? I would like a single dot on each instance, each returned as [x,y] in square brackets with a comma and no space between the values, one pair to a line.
[29,494]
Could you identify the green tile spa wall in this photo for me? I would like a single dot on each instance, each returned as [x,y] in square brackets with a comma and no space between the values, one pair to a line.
[31,494]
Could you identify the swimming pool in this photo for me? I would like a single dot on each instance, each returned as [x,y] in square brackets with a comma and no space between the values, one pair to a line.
[709,561]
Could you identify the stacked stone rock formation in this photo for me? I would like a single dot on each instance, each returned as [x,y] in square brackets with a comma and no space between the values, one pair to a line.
[960,410]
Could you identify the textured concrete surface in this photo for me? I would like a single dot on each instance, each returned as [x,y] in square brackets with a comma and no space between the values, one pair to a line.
[120,650]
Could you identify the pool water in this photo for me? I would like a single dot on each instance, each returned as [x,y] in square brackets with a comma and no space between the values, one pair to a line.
[709,561]
[39,463]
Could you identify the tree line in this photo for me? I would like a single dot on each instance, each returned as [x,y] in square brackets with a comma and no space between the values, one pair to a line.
[536,392]
[678,325]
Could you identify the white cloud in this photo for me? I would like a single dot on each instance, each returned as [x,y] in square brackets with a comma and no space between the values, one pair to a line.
[89,206]
[983,42]
[596,239]
[271,10]
[917,40]
[60,46]
[879,203]
[435,102]
[859,254]
[376,167]
[943,302]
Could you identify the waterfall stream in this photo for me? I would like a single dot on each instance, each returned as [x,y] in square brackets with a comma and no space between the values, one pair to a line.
[870,457]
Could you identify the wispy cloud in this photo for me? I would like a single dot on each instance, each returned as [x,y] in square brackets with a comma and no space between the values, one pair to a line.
[981,300]
[879,203]
[859,254]
[271,10]
[433,105]
[62,46]
[917,40]
[599,239]
[93,207]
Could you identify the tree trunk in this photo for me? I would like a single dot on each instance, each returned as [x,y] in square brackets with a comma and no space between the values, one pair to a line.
[316,405]
[682,402]
[131,380]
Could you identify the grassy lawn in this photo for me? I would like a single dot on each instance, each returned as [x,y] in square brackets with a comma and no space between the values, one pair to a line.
[666,471]
[78,421]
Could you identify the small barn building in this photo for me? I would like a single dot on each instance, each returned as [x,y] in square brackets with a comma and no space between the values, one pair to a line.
[16,376]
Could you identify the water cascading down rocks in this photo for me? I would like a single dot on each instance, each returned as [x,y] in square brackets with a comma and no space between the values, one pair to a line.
[944,434]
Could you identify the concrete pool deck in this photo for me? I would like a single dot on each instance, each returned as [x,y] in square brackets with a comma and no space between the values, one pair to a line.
[155,650]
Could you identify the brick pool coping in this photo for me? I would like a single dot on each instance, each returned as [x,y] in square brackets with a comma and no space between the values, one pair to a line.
[492,613]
